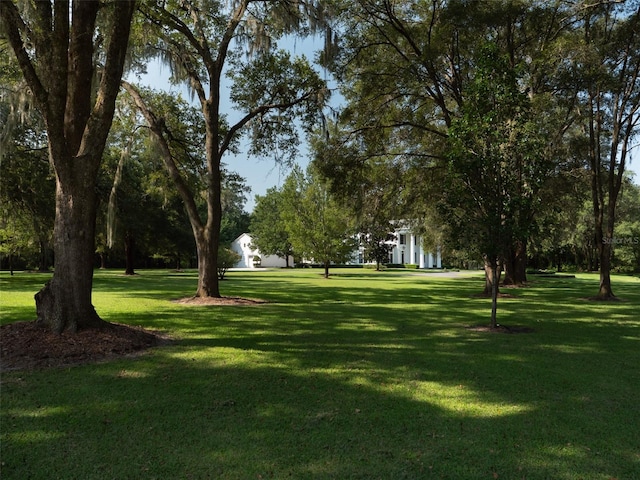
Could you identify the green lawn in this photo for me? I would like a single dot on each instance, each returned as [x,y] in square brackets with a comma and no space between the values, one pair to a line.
[366,375]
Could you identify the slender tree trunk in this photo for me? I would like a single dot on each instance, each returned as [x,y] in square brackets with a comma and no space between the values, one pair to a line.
[42,263]
[206,234]
[491,268]
[326,270]
[510,268]
[129,246]
[603,237]
[209,241]
[605,292]
[65,301]
[494,291]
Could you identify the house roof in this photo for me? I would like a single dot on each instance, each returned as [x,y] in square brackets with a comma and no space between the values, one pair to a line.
[248,235]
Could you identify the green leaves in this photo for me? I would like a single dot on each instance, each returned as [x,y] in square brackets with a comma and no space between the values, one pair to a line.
[274,90]
[489,151]
[268,228]
[320,229]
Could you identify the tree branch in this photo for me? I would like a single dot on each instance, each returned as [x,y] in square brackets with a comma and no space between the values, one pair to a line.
[157,130]
[13,23]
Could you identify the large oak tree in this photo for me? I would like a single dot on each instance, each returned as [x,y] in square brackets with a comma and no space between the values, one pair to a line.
[71,54]
[203,42]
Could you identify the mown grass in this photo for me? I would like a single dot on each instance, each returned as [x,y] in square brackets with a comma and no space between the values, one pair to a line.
[365,375]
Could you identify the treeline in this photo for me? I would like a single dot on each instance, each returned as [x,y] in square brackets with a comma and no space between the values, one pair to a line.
[141,221]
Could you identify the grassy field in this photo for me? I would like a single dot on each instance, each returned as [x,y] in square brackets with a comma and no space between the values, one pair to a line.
[367,375]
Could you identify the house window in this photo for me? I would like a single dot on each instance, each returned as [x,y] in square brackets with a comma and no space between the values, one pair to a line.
[403,239]
[415,240]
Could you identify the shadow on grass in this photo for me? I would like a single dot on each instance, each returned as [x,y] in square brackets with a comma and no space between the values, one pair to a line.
[205,413]
[342,380]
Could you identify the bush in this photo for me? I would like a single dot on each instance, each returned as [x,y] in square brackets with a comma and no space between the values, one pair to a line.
[227,258]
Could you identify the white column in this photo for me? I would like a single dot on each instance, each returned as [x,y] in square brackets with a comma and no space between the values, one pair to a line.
[412,250]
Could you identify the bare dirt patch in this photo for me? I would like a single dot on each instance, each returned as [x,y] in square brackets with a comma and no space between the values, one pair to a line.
[222,301]
[26,345]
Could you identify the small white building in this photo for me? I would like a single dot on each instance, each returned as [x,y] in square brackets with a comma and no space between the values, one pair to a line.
[251,256]
[406,249]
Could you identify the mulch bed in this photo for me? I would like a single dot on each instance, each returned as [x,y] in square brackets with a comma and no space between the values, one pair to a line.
[26,345]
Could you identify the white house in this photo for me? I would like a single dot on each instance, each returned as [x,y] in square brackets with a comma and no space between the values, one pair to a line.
[252,258]
[407,249]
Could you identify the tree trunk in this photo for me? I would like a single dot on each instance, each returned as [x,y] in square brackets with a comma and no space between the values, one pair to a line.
[515,264]
[605,292]
[208,281]
[206,234]
[490,278]
[326,270]
[43,258]
[64,303]
[510,267]
[129,246]
[77,118]
[603,239]
[495,275]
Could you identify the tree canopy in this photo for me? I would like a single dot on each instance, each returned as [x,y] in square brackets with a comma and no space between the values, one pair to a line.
[268,229]
[321,229]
